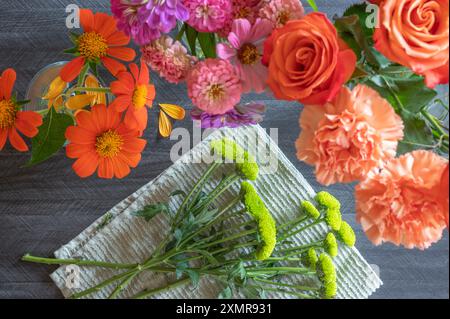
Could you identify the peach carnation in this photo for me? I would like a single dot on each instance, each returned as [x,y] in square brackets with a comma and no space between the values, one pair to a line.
[349,136]
[404,202]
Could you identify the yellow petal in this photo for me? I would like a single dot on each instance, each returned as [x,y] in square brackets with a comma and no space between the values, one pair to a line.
[165,125]
[56,88]
[174,111]
[79,101]
[92,82]
[57,103]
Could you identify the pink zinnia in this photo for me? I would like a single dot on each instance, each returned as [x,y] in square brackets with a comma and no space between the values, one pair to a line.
[208,15]
[279,12]
[168,58]
[214,86]
[245,50]
[242,9]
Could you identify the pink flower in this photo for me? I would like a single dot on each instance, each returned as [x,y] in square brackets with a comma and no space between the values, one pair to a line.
[279,12]
[242,9]
[208,15]
[349,136]
[245,49]
[214,86]
[404,202]
[169,58]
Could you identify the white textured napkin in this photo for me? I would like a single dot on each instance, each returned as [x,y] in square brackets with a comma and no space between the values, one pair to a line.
[121,237]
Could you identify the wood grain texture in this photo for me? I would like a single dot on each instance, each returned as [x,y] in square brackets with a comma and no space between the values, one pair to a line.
[43,207]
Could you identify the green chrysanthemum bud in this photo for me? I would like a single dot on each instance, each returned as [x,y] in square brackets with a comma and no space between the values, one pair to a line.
[245,163]
[266,224]
[325,269]
[330,245]
[328,290]
[268,232]
[346,234]
[309,209]
[333,218]
[327,200]
[309,258]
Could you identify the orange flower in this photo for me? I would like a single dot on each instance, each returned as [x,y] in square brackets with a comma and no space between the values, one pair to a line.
[349,136]
[414,33]
[100,141]
[100,43]
[307,60]
[133,93]
[11,118]
[403,202]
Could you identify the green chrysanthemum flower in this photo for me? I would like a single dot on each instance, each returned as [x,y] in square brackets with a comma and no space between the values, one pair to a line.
[346,234]
[245,163]
[266,224]
[330,245]
[328,290]
[309,258]
[327,200]
[333,218]
[309,209]
[325,269]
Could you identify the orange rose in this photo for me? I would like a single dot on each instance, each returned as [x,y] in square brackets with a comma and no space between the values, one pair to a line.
[307,61]
[414,33]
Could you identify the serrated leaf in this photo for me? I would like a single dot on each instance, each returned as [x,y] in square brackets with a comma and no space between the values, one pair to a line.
[194,276]
[51,136]
[150,211]
[208,44]
[417,134]
[225,294]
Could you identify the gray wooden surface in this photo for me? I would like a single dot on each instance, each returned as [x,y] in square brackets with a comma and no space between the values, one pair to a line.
[43,207]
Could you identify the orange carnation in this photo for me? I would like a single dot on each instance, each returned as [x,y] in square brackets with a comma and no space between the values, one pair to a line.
[403,203]
[307,61]
[12,119]
[349,136]
[133,93]
[101,141]
[100,42]
[415,33]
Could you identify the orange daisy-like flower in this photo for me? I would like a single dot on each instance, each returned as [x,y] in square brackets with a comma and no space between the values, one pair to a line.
[133,93]
[101,42]
[101,141]
[12,119]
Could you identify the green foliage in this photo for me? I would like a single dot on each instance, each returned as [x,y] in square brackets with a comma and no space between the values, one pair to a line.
[208,44]
[192,35]
[150,211]
[51,136]
[226,293]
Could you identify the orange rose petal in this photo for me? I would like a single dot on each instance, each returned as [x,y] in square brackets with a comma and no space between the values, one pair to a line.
[17,141]
[72,69]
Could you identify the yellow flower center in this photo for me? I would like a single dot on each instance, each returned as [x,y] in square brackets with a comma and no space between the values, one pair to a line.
[8,114]
[216,92]
[248,54]
[109,144]
[92,45]
[283,18]
[140,96]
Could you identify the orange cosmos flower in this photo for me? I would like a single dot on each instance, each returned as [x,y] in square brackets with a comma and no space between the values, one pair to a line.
[101,141]
[11,118]
[100,43]
[133,92]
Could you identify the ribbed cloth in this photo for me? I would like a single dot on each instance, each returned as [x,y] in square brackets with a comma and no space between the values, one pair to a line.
[128,239]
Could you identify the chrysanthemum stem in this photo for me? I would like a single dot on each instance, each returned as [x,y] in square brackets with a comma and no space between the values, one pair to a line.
[295,270]
[281,284]
[150,293]
[291,234]
[227,239]
[77,262]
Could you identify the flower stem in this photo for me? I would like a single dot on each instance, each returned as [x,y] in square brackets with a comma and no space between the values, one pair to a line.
[291,234]
[150,293]
[275,283]
[78,262]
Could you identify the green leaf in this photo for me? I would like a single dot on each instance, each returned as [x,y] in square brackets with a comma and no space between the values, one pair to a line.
[150,211]
[313,5]
[74,37]
[226,293]
[417,134]
[191,35]
[194,276]
[360,11]
[208,44]
[71,50]
[51,136]
[178,192]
